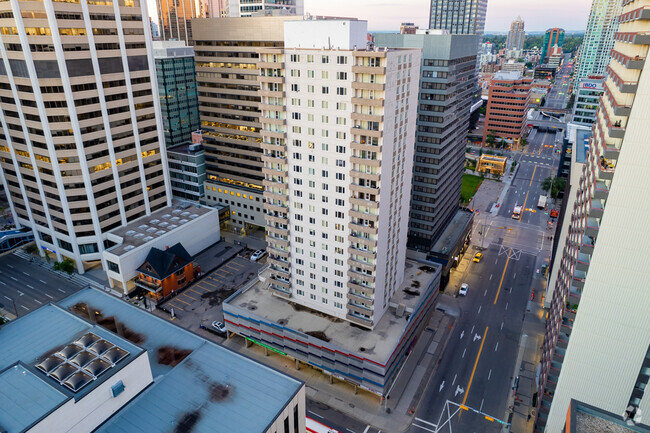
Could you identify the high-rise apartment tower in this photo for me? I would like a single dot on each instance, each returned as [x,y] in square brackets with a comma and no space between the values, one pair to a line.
[516,36]
[338,127]
[463,17]
[81,146]
[597,343]
[598,41]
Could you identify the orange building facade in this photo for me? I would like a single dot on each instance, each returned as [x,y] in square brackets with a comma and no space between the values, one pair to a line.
[166,271]
[507,107]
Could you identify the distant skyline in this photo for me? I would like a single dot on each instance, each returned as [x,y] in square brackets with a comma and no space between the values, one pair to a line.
[388,14]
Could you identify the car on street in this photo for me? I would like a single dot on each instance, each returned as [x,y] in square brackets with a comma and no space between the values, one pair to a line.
[478,257]
[219,327]
[463,289]
[257,255]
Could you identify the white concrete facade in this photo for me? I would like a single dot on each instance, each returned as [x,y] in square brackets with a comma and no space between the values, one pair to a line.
[599,38]
[239,8]
[597,344]
[73,416]
[338,133]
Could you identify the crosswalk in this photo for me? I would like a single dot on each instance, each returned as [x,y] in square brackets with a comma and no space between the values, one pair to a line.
[536,159]
[76,278]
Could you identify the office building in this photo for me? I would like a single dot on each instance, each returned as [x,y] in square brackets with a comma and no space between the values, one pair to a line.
[516,36]
[408,29]
[247,8]
[447,82]
[338,134]
[555,57]
[179,101]
[587,100]
[552,37]
[82,149]
[187,171]
[597,343]
[93,362]
[599,38]
[507,106]
[227,71]
[174,19]
[463,17]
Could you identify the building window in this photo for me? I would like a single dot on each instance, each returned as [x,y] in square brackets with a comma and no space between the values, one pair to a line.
[113,266]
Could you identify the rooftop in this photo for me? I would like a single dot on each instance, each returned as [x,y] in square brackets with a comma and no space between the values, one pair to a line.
[50,356]
[376,345]
[159,223]
[198,385]
[186,148]
[453,232]
[494,158]
[585,418]
[507,75]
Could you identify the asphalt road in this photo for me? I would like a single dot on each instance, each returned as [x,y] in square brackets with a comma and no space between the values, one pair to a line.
[29,286]
[558,95]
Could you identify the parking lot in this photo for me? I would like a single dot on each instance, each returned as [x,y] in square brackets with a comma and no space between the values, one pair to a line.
[200,304]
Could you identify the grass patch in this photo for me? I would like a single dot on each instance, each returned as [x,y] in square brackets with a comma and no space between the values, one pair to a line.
[469,186]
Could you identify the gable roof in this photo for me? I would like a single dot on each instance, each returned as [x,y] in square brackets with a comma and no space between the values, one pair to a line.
[160,264]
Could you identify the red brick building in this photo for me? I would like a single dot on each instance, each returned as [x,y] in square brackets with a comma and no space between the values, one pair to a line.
[165,271]
[507,106]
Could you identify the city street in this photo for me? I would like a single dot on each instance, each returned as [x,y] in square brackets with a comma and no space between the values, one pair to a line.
[558,95]
[27,286]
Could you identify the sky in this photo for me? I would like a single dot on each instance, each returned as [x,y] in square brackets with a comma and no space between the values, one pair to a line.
[538,15]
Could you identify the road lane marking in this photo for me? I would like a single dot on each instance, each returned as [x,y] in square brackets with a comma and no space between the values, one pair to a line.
[506,305]
[350,430]
[426,422]
[464,350]
[20,293]
[186,294]
[496,261]
[479,309]
[25,273]
[180,300]
[62,291]
[481,408]
[490,374]
[39,302]
[514,276]
[423,428]
[49,296]
[30,286]
[198,293]
[472,331]
[490,277]
[10,266]
[454,381]
[13,278]
[25,307]
[471,378]
[533,176]
[42,281]
[485,294]
[315,414]
[496,347]
[496,298]
[367,428]
[8,297]
[502,326]
[2,283]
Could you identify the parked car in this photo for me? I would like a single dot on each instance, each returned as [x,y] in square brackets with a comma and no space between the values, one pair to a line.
[257,255]
[219,327]
[478,257]
[463,289]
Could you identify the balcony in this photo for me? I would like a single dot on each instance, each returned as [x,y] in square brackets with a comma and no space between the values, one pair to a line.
[614,129]
[601,191]
[354,285]
[356,264]
[356,145]
[361,69]
[275,171]
[269,147]
[636,62]
[273,121]
[558,358]
[274,159]
[562,343]
[372,102]
[353,238]
[365,161]
[285,284]
[587,245]
[368,117]
[592,227]
[359,298]
[606,170]
[578,280]
[583,261]
[566,329]
[361,321]
[280,291]
[361,276]
[569,314]
[276,219]
[274,182]
[361,308]
[364,202]
[279,242]
[623,86]
[356,130]
[371,230]
[275,207]
[368,86]
[278,261]
[574,297]
[270,79]
[278,231]
[550,385]
[364,189]
[153,287]
[278,253]
[363,253]
[596,208]
[355,213]
[636,38]
[641,13]
[282,272]
[376,177]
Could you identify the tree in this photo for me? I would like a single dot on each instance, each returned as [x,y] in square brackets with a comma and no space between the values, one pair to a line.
[529,65]
[554,185]
[490,139]
[482,110]
[543,101]
[523,142]
[31,249]
[66,265]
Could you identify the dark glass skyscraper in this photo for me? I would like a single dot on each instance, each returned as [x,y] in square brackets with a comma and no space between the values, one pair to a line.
[179,101]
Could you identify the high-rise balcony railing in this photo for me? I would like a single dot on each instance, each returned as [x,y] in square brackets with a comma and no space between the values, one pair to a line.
[635,62]
[622,85]
[592,227]
[636,38]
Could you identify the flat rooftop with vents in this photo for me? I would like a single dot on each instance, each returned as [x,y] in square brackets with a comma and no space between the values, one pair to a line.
[366,358]
[195,226]
[96,363]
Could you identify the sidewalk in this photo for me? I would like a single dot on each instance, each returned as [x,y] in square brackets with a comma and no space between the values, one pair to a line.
[366,407]
[520,402]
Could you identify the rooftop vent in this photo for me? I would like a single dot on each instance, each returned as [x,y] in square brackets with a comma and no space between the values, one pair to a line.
[143,227]
[130,233]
